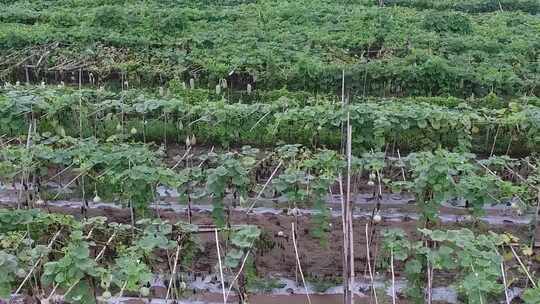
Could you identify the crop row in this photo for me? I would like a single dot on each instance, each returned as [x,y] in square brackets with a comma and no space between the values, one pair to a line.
[69,258]
[473,6]
[298,45]
[75,260]
[129,174]
[405,124]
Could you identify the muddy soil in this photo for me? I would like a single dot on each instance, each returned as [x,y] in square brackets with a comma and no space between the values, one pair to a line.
[320,260]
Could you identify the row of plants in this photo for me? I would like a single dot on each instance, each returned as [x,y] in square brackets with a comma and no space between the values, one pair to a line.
[434,177]
[408,124]
[72,258]
[474,6]
[222,92]
[387,51]
[84,261]
[483,267]
[129,174]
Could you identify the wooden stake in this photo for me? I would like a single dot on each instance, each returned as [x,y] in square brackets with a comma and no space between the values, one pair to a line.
[494,140]
[347,210]
[174,271]
[264,187]
[402,170]
[535,219]
[36,264]
[88,236]
[429,276]
[369,265]
[121,292]
[504,282]
[393,275]
[220,267]
[239,271]
[523,266]
[350,208]
[298,261]
[345,242]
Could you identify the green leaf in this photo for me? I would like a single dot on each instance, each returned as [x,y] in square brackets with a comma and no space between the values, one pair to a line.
[413,267]
[438,235]
[81,293]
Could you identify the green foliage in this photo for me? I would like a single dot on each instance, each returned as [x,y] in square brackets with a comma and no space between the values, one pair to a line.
[471,6]
[242,239]
[127,268]
[231,175]
[258,42]
[155,235]
[531,296]
[412,124]
[434,178]
[413,254]
[473,258]
[110,17]
[440,176]
[73,267]
[130,272]
[448,22]
[476,256]
[8,268]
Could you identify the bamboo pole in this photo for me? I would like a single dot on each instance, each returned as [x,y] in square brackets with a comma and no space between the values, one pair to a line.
[393,275]
[171,280]
[264,187]
[220,267]
[239,271]
[298,261]
[345,241]
[35,265]
[350,210]
[523,266]
[368,258]
[503,272]
[535,219]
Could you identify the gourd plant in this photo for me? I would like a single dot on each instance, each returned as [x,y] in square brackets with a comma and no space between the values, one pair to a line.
[9,269]
[474,257]
[72,269]
[409,123]
[231,176]
[294,180]
[443,175]
[434,179]
[242,240]
[189,242]
[131,173]
[478,190]
[413,254]
[307,180]
[190,184]
[131,270]
[324,166]
[374,163]
[30,163]
[127,268]
[129,273]
[138,184]
[532,295]
[18,253]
